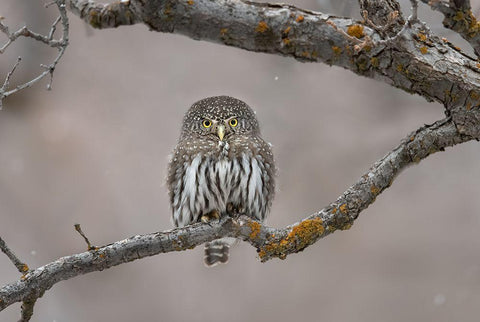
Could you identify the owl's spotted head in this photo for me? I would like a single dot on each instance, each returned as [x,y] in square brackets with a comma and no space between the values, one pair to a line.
[219,118]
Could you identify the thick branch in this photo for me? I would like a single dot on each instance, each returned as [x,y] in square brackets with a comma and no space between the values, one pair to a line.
[269,242]
[458,17]
[416,61]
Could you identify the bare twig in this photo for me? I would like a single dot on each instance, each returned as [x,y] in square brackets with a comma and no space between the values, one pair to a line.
[60,44]
[21,266]
[391,19]
[79,230]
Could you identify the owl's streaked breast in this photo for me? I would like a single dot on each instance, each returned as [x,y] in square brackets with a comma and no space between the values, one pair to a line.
[211,182]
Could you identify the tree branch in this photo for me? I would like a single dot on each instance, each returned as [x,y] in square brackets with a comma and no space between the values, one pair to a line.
[458,17]
[270,242]
[28,304]
[416,61]
[21,266]
[60,44]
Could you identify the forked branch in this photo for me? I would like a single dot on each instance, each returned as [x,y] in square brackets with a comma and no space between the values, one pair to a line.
[60,44]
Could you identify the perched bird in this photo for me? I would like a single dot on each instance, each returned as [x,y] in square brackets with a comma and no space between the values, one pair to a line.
[220,165]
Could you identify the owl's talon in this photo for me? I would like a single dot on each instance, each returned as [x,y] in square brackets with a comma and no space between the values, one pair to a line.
[212,215]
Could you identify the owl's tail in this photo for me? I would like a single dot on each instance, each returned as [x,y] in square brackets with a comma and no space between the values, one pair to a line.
[216,252]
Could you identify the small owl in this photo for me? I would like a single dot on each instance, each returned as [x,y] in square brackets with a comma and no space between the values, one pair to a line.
[221,165]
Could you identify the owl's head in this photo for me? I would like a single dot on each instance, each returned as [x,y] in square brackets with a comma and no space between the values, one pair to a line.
[220,118]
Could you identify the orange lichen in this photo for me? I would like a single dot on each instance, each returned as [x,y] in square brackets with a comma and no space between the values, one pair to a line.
[347,226]
[374,190]
[423,50]
[305,54]
[343,208]
[474,95]
[355,31]
[466,23]
[468,107]
[300,18]
[337,50]
[422,36]
[374,61]
[286,41]
[478,65]
[168,10]
[223,31]
[261,27]
[287,30]
[190,2]
[301,235]
[305,229]
[25,268]
[334,210]
[255,227]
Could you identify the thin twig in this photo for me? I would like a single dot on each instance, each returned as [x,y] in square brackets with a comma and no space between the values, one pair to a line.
[21,266]
[359,44]
[391,19]
[60,44]
[79,230]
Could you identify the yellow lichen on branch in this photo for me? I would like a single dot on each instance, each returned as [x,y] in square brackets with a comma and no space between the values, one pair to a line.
[255,227]
[468,23]
[355,31]
[261,27]
[337,50]
[299,237]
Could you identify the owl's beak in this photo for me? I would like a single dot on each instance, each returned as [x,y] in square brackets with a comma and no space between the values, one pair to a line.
[221,131]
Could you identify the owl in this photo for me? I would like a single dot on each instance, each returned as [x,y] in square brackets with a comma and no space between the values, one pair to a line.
[221,165]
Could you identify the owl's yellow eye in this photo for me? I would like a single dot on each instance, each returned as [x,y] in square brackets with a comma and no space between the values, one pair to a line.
[207,123]
[233,122]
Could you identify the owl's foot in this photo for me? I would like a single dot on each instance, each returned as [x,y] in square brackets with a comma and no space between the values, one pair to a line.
[212,215]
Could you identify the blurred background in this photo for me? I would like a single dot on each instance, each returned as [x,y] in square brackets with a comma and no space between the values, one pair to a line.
[94,151]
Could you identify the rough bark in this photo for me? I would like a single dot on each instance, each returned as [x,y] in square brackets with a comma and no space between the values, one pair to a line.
[458,17]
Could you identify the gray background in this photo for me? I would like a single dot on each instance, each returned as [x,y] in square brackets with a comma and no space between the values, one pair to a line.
[94,151]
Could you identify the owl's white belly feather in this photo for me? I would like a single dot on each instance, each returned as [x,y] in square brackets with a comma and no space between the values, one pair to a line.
[210,184]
